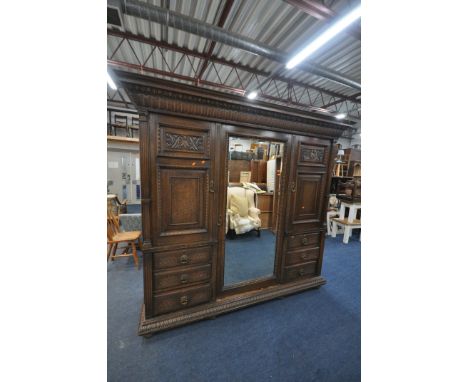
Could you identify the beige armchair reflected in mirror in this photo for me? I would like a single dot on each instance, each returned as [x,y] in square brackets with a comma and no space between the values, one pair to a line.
[242,214]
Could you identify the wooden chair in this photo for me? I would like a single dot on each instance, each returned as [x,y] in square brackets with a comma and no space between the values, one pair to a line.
[115,237]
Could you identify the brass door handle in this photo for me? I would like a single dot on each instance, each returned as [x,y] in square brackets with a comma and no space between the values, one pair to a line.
[212,186]
[184,300]
[184,278]
[184,259]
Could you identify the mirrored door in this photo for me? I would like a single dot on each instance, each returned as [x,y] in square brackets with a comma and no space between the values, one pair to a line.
[254,178]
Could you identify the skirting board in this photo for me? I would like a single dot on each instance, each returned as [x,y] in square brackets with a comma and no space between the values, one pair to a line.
[228,304]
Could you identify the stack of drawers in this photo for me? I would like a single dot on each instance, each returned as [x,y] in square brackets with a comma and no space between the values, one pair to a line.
[181,279]
[302,256]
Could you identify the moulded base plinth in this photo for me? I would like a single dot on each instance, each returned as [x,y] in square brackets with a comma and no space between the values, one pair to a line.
[224,305]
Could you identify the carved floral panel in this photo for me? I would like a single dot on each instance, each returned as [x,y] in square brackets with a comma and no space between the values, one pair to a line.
[314,155]
[184,142]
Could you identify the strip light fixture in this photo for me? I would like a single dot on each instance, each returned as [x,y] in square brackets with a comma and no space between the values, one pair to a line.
[326,36]
[111,82]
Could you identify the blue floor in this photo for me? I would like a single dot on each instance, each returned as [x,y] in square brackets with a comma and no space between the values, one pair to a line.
[249,257]
[309,336]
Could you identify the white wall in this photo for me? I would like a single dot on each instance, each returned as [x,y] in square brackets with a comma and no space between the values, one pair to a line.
[123,159]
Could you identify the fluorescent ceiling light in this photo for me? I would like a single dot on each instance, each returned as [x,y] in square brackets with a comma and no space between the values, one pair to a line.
[252,95]
[340,116]
[111,82]
[326,36]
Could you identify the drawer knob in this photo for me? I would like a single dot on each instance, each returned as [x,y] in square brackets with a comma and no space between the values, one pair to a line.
[184,259]
[305,241]
[304,256]
[184,300]
[301,272]
[184,278]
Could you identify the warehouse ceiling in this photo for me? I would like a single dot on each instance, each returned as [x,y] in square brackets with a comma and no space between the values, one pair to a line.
[246,51]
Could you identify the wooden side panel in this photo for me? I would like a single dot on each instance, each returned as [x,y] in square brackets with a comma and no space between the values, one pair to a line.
[308,184]
[145,121]
[308,192]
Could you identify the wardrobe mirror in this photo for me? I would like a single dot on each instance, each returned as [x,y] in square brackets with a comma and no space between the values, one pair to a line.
[252,203]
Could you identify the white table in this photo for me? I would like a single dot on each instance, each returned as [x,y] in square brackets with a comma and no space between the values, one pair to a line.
[349,223]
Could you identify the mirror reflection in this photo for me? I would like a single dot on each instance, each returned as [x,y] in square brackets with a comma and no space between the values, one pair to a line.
[254,174]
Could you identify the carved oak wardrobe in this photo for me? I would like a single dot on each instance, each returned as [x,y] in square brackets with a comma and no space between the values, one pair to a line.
[185,134]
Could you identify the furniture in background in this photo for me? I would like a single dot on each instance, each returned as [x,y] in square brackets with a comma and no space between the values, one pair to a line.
[335,181]
[236,166]
[349,223]
[184,146]
[242,220]
[120,122]
[134,127]
[340,168]
[265,205]
[259,171]
[109,123]
[350,190]
[332,212]
[351,158]
[115,237]
[117,207]
[355,169]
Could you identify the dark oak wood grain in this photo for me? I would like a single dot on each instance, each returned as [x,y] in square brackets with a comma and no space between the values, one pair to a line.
[184,138]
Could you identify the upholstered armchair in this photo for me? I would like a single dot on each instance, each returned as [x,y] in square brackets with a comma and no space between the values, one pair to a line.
[241,212]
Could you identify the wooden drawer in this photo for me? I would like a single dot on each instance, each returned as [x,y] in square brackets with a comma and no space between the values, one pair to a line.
[181,299]
[299,271]
[302,256]
[304,240]
[191,256]
[181,277]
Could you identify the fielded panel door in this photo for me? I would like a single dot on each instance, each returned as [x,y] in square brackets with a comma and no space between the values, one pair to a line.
[308,184]
[184,185]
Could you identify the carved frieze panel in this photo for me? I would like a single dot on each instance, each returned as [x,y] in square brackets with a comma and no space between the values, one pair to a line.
[313,155]
[184,142]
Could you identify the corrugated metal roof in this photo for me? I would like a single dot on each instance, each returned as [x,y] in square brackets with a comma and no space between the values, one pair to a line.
[272,22]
